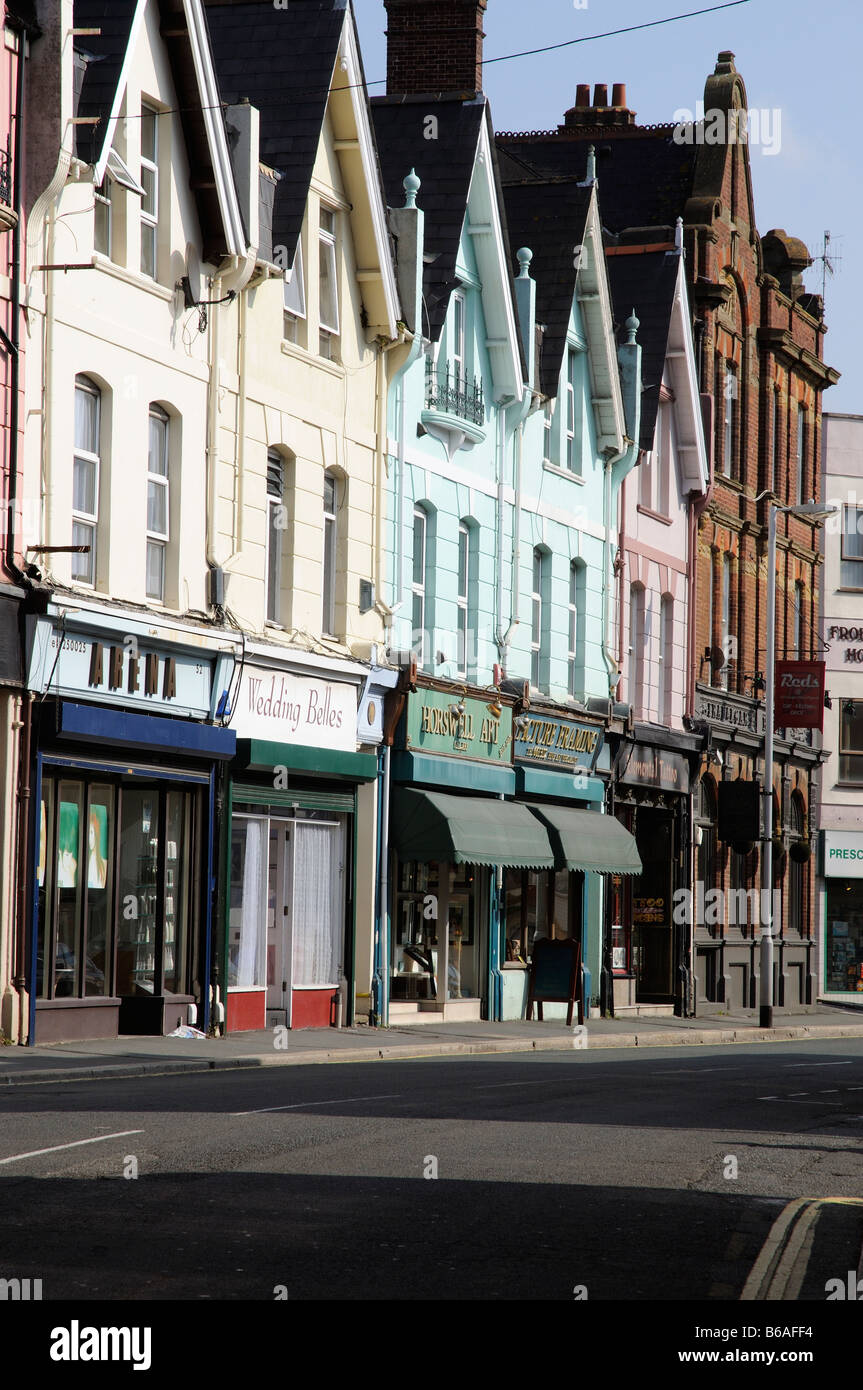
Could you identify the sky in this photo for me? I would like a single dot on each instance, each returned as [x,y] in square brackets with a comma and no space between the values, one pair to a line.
[800,65]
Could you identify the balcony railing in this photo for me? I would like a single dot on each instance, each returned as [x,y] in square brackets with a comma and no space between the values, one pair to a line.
[6,178]
[454,395]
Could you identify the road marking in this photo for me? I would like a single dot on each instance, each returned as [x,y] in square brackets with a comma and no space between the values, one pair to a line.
[100,1139]
[304,1104]
[499,1085]
[800,1066]
[780,1268]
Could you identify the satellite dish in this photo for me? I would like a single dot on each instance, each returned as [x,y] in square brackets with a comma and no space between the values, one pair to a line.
[717,658]
[191,281]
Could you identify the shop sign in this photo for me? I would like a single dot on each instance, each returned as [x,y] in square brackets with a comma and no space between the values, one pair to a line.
[799,700]
[720,708]
[656,767]
[845,644]
[559,743]
[450,725]
[121,669]
[283,707]
[843,854]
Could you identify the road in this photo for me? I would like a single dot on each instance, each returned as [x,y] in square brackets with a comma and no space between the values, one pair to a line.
[642,1174]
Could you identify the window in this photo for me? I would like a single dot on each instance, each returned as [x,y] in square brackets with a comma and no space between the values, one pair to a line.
[573,455]
[666,656]
[328,293]
[851,561]
[539,904]
[798,621]
[459,365]
[102,216]
[275,531]
[537,617]
[85,478]
[547,418]
[729,411]
[706,833]
[575,653]
[655,466]
[851,741]
[295,297]
[462,595]
[801,454]
[774,445]
[158,503]
[247,943]
[150,185]
[796,867]
[418,642]
[726,641]
[637,638]
[330,544]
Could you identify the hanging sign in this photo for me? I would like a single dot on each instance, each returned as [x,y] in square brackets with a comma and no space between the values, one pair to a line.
[799,695]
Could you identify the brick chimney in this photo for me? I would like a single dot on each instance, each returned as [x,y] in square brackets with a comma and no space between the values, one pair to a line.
[583,114]
[434,46]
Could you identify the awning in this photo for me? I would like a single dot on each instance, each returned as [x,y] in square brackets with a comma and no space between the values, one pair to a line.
[467,830]
[589,840]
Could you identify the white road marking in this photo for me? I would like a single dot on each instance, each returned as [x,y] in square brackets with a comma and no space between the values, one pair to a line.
[100,1139]
[499,1085]
[304,1104]
[800,1066]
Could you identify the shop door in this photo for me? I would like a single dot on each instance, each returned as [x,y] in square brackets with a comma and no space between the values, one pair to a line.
[651,907]
[279,921]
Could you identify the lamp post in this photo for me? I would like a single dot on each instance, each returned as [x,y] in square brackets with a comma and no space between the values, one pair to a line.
[815,513]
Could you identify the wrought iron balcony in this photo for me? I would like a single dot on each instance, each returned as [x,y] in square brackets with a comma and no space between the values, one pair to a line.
[452,394]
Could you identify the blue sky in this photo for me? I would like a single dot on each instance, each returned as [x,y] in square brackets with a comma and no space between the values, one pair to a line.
[796,58]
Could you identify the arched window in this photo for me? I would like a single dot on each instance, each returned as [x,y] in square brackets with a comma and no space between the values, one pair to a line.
[86,478]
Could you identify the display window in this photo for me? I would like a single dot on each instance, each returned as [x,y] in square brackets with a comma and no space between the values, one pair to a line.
[425,893]
[844,936]
[539,903]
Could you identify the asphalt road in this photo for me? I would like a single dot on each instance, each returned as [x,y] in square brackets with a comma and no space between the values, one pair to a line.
[637,1175]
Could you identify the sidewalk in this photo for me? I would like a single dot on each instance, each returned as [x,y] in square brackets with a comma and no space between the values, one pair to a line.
[134,1056]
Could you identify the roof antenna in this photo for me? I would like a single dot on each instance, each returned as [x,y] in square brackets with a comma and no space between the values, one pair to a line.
[830,263]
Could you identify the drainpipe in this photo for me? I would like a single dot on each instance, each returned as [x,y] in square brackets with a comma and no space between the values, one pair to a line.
[380,978]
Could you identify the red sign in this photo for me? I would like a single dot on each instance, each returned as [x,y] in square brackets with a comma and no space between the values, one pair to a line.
[799,702]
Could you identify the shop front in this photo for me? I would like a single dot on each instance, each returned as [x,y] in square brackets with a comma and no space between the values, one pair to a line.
[454,831]
[126,755]
[650,944]
[556,760]
[300,817]
[842,870]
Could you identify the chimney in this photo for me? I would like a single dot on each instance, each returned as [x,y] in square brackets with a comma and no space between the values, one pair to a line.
[434,46]
[583,115]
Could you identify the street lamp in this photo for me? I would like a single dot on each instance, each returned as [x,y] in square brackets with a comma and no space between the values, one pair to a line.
[815,513]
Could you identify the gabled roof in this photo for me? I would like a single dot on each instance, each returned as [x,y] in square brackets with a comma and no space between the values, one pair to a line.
[445,166]
[551,220]
[645,282]
[282,60]
[101,63]
[645,178]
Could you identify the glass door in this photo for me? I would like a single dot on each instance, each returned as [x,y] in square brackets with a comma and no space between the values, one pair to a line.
[280,873]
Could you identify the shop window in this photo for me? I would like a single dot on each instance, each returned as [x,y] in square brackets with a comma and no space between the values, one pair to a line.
[541,903]
[851,562]
[158,503]
[150,185]
[86,478]
[851,742]
[318,905]
[247,967]
[328,285]
[844,936]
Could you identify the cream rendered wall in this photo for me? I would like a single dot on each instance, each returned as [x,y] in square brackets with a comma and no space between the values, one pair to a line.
[134,337]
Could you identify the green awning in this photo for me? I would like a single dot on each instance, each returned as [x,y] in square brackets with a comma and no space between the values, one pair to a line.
[467,830]
[589,840]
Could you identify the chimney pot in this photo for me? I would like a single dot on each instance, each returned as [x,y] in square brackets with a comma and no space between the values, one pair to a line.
[618,94]
[600,94]
[582,94]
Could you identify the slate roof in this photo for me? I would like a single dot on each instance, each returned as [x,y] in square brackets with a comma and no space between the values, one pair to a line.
[549,218]
[282,60]
[644,178]
[444,166]
[645,282]
[98,61]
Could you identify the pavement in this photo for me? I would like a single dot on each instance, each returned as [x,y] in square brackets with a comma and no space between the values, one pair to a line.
[136,1056]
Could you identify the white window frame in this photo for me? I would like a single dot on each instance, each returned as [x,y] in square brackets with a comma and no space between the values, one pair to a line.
[547,432]
[159,540]
[458,353]
[666,656]
[331,536]
[573,465]
[848,560]
[150,221]
[536,617]
[462,595]
[637,631]
[328,333]
[294,296]
[103,198]
[85,524]
[575,645]
[418,586]
[275,503]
